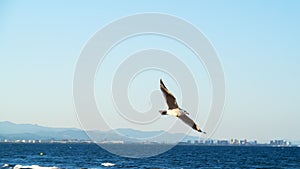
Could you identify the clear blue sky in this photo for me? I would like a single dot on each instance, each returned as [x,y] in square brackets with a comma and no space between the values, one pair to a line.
[257,42]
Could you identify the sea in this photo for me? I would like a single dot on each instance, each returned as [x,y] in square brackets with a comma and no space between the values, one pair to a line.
[91,156]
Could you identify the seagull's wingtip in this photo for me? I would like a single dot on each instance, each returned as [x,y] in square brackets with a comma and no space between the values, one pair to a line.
[161,82]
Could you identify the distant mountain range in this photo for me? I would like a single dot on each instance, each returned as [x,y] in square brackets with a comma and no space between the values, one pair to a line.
[12,131]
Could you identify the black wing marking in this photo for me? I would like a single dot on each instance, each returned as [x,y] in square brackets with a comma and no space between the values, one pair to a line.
[190,122]
[170,99]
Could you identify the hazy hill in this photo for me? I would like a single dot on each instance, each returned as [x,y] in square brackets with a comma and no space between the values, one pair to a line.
[9,130]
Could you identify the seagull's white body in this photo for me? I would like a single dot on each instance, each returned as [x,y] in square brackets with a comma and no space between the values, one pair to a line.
[174,112]
[174,109]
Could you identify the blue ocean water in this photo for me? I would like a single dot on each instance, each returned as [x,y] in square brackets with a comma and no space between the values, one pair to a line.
[181,156]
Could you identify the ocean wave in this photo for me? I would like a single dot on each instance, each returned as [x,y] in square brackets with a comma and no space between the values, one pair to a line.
[108,164]
[7,166]
[18,166]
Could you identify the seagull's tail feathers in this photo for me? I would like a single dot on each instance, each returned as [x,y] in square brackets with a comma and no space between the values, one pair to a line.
[163,112]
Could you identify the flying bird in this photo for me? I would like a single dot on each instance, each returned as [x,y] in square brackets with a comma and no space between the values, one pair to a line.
[175,110]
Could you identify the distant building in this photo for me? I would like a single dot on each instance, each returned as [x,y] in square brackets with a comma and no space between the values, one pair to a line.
[222,142]
[235,142]
[252,143]
[113,142]
[280,143]
[243,142]
[209,142]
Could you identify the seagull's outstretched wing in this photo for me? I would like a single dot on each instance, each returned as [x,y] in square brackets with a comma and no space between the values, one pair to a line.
[170,99]
[190,122]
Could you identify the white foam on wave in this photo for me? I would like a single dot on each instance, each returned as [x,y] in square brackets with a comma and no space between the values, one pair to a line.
[108,164]
[6,165]
[33,167]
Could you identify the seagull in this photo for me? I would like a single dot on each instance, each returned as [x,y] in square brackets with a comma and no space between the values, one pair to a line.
[175,110]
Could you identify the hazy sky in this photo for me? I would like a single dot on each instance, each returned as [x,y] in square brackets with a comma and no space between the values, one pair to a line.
[257,43]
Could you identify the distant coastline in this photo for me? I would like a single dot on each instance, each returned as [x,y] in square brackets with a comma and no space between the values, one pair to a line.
[280,143]
[35,134]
